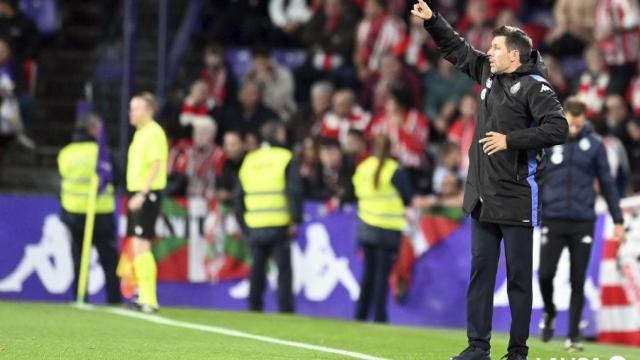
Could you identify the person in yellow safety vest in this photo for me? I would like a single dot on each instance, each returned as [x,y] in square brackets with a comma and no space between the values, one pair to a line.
[383,190]
[269,206]
[77,163]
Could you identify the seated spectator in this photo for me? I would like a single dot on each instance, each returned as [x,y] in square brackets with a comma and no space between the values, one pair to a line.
[617,33]
[20,31]
[308,119]
[445,88]
[632,146]
[288,16]
[221,82]
[392,74]
[448,164]
[475,27]
[196,107]
[11,125]
[250,113]
[356,146]
[329,38]
[332,177]
[592,88]
[616,154]
[462,129]
[573,27]
[198,161]
[233,148]
[345,114]
[378,33]
[408,130]
[276,83]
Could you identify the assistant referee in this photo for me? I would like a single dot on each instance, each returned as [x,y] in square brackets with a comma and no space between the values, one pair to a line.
[146,177]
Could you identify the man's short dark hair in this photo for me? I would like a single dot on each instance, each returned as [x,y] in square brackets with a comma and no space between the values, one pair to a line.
[574,106]
[516,39]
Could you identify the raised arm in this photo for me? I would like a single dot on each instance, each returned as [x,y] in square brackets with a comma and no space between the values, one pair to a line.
[453,47]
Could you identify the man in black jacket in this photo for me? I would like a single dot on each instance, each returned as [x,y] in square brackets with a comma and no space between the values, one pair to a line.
[569,216]
[519,115]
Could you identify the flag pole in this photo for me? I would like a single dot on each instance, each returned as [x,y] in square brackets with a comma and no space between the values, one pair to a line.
[86,241]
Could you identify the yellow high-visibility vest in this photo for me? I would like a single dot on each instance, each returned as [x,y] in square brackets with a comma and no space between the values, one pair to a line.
[381,207]
[77,163]
[263,178]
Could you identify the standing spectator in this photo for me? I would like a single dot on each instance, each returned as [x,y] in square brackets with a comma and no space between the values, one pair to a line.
[408,131]
[592,87]
[634,93]
[20,30]
[288,18]
[617,115]
[574,21]
[308,119]
[445,87]
[616,154]
[250,113]
[378,33]
[462,129]
[383,190]
[329,38]
[227,179]
[275,81]
[618,35]
[345,114]
[269,203]
[196,108]
[391,75]
[222,83]
[356,146]
[475,25]
[632,146]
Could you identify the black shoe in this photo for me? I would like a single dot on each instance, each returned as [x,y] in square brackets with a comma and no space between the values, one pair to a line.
[547,326]
[473,353]
[512,355]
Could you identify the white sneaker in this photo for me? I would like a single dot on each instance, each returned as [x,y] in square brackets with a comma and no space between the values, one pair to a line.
[573,346]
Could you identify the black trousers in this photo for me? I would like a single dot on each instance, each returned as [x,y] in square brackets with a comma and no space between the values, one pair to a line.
[104,239]
[261,251]
[578,237]
[485,252]
[374,284]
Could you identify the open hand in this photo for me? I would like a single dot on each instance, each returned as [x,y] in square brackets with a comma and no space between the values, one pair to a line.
[493,143]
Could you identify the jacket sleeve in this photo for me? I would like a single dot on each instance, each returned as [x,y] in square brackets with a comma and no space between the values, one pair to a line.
[552,127]
[239,207]
[607,185]
[294,191]
[402,182]
[455,49]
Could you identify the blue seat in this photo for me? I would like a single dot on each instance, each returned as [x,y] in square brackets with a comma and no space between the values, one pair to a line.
[44,13]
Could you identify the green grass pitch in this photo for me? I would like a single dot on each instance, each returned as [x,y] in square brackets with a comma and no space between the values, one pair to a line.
[60,331]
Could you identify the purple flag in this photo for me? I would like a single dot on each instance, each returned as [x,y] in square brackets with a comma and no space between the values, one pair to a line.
[103,166]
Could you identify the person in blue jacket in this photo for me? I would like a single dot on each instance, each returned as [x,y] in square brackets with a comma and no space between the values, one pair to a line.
[568,199]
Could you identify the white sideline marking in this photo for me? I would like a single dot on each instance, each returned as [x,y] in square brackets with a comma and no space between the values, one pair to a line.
[219,330]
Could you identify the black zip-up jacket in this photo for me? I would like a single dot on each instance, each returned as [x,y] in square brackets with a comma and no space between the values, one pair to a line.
[568,184]
[521,105]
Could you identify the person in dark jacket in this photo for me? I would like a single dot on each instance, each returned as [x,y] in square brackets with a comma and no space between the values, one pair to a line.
[569,197]
[519,116]
[269,207]
[383,190]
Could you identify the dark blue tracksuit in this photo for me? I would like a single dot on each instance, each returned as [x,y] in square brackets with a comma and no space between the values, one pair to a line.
[568,198]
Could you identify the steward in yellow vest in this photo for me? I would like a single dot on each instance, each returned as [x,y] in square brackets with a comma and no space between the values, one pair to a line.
[76,164]
[269,203]
[383,190]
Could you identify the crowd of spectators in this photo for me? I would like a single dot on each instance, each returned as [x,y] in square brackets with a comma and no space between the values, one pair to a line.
[371,69]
